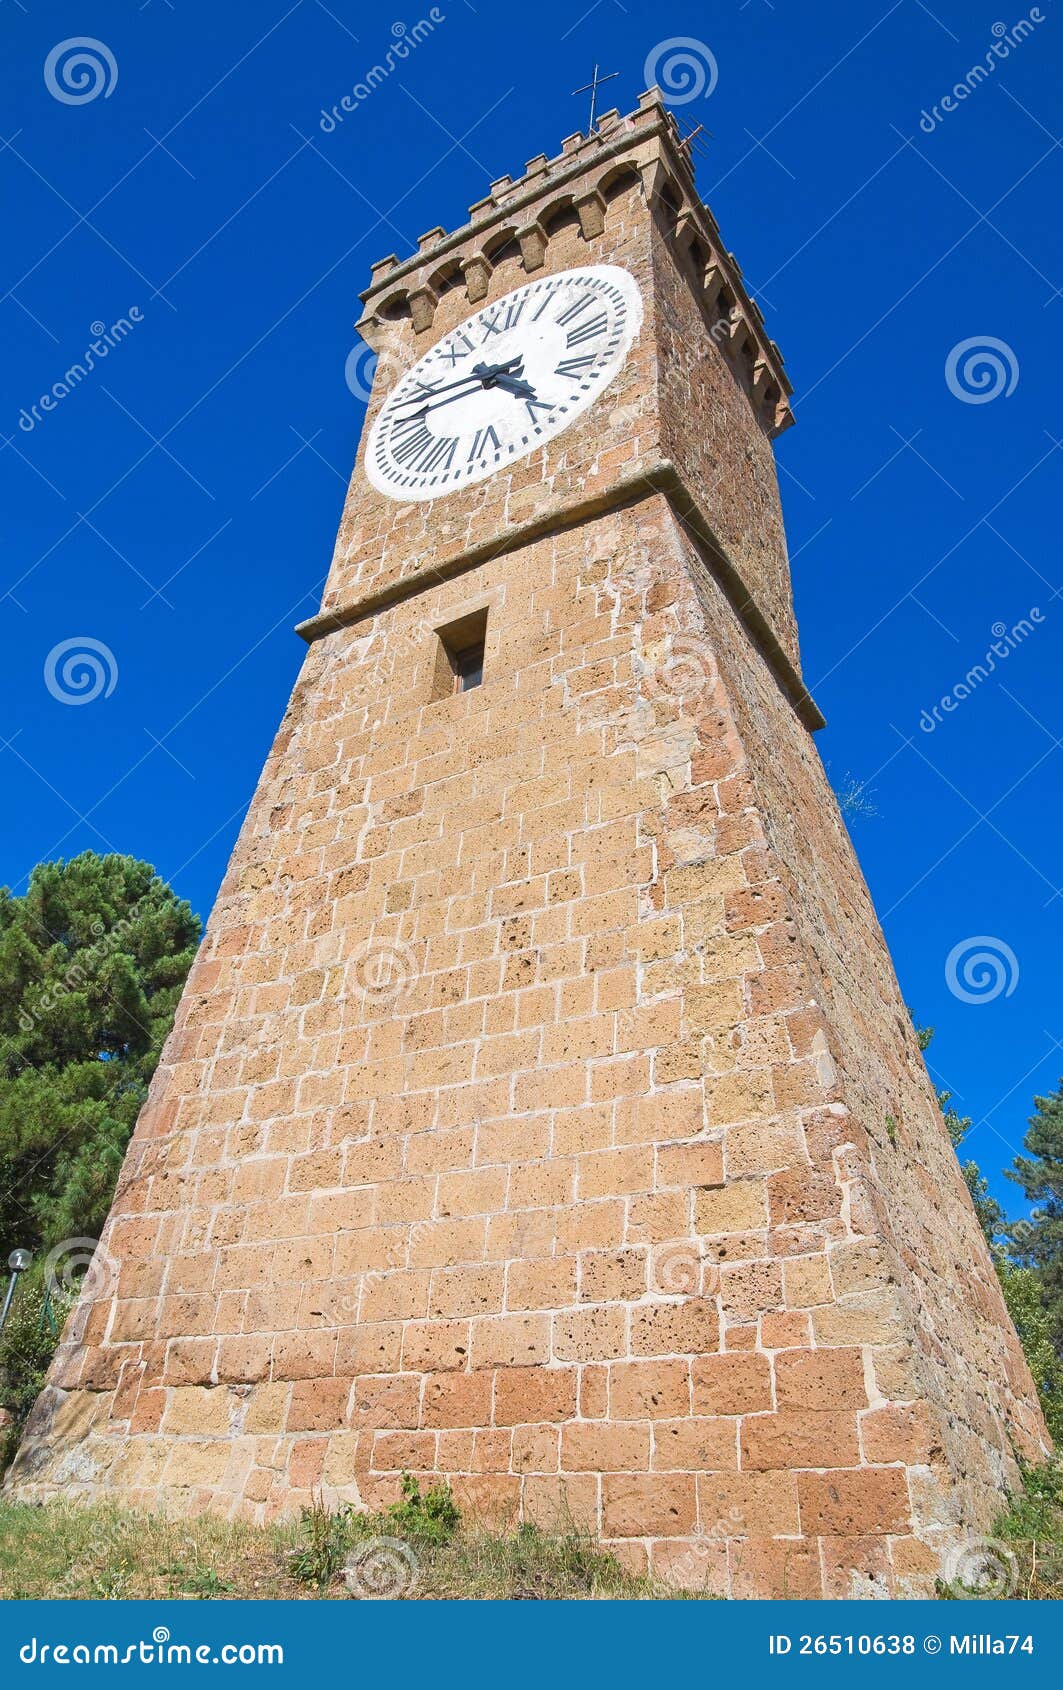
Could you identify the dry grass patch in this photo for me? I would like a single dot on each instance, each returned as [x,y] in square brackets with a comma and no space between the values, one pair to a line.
[419,1549]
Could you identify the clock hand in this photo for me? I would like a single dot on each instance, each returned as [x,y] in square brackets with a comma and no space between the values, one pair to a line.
[520,389]
[490,374]
[483,373]
[430,392]
[415,416]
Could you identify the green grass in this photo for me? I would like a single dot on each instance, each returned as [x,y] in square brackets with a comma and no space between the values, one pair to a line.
[1022,1558]
[420,1548]
[61,1550]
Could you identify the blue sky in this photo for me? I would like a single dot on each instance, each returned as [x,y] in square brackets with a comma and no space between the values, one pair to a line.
[179,506]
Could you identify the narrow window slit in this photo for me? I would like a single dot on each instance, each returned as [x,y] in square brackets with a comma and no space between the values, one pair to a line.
[460,655]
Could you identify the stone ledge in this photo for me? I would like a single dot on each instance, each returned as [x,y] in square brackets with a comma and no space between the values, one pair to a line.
[663,479]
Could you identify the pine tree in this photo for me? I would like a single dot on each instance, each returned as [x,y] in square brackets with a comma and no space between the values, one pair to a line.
[991,1217]
[1024,1251]
[1037,1242]
[92,961]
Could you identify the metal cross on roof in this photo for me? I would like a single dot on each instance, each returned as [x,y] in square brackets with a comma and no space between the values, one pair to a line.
[592,88]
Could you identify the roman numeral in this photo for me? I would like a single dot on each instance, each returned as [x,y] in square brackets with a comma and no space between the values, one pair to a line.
[442,457]
[538,405]
[484,440]
[501,320]
[574,309]
[415,419]
[455,353]
[587,331]
[409,449]
[572,367]
[422,451]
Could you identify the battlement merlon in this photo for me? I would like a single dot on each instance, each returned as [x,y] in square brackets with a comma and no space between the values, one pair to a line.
[648,139]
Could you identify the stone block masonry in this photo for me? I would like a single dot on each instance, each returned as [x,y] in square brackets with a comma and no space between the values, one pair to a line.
[524,1120]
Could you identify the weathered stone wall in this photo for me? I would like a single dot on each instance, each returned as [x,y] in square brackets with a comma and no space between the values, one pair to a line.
[712,433]
[916,1282]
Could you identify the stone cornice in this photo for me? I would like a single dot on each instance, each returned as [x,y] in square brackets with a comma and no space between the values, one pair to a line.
[663,479]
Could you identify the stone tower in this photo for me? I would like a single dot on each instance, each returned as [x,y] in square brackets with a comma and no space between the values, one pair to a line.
[542,1110]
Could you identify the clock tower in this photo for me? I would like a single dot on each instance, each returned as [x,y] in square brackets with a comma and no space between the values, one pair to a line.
[542,1111]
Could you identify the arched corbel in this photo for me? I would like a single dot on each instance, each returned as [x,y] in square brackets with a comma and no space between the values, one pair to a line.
[532,239]
[686,229]
[655,179]
[714,280]
[762,379]
[783,418]
[423,302]
[372,331]
[590,209]
[477,273]
[738,333]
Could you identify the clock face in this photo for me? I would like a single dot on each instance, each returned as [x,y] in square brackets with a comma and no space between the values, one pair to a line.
[508,380]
